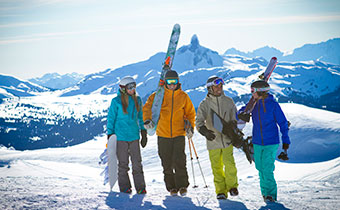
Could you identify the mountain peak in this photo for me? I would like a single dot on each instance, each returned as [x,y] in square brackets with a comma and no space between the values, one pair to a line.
[194,41]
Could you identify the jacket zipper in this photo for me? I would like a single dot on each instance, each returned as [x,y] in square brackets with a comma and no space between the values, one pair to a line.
[172,110]
[218,108]
[260,125]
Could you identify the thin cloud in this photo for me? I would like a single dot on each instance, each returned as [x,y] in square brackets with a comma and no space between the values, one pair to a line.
[13,25]
[43,36]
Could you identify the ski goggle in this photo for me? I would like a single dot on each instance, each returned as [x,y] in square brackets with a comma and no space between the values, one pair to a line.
[216,82]
[263,89]
[131,86]
[171,81]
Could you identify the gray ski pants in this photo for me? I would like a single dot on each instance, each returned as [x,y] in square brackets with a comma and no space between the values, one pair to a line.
[126,149]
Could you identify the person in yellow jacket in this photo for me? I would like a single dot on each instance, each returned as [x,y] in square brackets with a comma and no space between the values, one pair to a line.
[176,107]
[218,144]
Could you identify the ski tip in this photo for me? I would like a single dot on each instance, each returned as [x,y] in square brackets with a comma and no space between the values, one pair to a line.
[274,58]
[177,26]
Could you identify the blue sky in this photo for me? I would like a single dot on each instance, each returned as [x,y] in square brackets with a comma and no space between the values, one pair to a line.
[87,36]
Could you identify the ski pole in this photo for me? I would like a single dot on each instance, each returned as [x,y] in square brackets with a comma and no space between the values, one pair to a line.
[192,166]
[206,186]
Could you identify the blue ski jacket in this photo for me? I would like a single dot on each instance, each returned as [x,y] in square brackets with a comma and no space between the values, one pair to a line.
[267,115]
[125,126]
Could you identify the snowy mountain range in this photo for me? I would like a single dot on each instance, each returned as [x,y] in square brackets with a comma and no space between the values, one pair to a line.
[325,51]
[11,87]
[56,81]
[313,83]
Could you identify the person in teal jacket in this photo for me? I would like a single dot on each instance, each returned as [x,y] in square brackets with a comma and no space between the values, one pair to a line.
[125,120]
[267,117]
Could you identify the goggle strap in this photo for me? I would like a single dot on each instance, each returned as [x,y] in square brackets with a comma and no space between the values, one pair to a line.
[264,89]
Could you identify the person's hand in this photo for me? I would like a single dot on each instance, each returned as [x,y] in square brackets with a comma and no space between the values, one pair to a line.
[108,136]
[148,124]
[243,116]
[144,138]
[189,132]
[209,134]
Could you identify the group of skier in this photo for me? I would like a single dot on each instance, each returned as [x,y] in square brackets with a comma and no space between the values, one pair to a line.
[128,119]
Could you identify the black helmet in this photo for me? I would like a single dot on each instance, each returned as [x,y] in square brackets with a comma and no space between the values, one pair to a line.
[260,86]
[171,75]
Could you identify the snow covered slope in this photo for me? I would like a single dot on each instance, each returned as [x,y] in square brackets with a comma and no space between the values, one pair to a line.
[51,121]
[68,178]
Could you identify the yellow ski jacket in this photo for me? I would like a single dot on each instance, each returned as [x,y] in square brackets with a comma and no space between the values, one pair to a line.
[176,107]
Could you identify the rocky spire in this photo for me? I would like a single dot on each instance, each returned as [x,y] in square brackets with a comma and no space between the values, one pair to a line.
[194,43]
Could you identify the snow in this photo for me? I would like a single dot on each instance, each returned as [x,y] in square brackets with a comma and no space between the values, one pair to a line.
[68,178]
[50,106]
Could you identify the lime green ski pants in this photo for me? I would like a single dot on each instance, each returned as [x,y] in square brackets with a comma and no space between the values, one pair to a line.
[264,157]
[224,169]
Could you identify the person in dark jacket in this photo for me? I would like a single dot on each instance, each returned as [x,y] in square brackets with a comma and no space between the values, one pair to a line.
[125,120]
[267,116]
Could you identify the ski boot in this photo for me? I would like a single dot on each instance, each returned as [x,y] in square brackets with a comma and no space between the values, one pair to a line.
[173,192]
[183,191]
[233,192]
[221,196]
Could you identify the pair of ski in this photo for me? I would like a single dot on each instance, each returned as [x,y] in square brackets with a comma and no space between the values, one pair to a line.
[231,129]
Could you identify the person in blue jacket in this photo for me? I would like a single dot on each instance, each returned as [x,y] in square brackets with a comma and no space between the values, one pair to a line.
[267,116]
[125,120]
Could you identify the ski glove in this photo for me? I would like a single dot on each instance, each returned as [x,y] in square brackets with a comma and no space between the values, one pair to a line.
[144,138]
[148,124]
[285,146]
[233,133]
[209,134]
[108,136]
[243,116]
[283,155]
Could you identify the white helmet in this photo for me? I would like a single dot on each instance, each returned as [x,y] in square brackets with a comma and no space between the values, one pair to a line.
[127,82]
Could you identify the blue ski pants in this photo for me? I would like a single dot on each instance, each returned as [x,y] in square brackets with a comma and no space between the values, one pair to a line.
[264,157]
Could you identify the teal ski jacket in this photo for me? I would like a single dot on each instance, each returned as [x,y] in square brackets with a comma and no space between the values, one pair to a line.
[125,126]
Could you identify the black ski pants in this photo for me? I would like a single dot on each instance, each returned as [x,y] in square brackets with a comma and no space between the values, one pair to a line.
[172,154]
